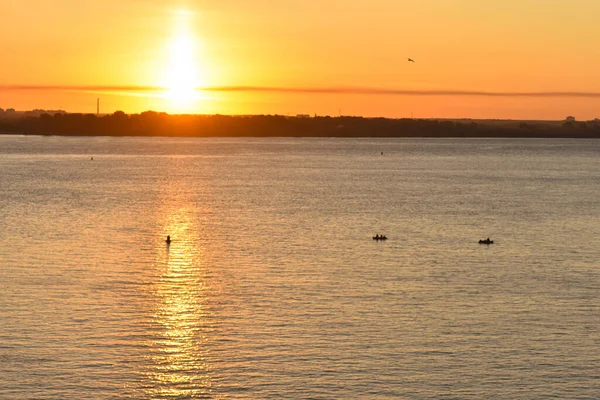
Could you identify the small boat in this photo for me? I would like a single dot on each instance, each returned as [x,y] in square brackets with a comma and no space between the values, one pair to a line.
[486,241]
[377,237]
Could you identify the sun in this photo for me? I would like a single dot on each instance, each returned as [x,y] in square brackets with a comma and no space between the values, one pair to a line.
[183,73]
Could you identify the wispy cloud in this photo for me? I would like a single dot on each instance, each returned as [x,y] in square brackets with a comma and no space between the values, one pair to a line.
[82,88]
[125,89]
[397,92]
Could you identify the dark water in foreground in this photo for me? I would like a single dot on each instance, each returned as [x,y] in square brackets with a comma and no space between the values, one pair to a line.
[272,286]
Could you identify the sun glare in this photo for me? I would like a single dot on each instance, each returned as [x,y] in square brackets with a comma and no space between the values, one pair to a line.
[183,74]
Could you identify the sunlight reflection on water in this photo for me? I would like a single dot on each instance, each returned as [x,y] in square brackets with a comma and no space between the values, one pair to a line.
[178,366]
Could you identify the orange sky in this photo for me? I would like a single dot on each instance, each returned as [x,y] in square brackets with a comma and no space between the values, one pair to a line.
[512,46]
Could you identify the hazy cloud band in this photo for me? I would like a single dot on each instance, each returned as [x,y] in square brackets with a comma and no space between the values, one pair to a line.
[308,90]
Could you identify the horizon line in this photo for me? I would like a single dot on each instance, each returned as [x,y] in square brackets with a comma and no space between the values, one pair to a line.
[365,90]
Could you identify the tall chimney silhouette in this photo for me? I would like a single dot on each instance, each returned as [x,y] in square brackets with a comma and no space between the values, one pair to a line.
[98,107]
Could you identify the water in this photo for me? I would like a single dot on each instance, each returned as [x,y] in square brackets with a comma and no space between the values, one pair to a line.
[272,286]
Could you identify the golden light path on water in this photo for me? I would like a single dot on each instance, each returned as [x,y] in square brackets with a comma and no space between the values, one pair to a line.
[177,359]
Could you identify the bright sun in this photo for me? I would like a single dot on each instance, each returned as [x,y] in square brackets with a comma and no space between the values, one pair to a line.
[183,74]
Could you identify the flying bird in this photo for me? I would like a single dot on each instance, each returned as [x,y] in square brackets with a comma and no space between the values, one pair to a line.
[411,60]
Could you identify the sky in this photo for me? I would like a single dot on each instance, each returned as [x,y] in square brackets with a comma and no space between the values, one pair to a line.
[515,59]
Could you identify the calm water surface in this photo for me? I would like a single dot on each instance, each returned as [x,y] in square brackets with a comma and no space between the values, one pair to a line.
[272,287]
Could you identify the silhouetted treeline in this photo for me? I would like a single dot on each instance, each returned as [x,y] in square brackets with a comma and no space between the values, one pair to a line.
[151,123]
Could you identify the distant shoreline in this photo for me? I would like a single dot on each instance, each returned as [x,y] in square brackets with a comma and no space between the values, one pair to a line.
[149,124]
[2,133]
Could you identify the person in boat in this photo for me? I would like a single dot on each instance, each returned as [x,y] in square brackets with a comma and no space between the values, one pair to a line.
[377,237]
[168,239]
